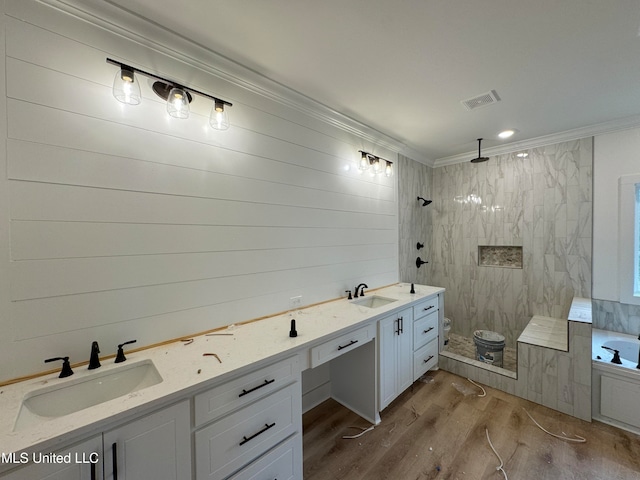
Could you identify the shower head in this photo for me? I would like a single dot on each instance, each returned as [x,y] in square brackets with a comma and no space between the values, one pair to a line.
[479,158]
[425,201]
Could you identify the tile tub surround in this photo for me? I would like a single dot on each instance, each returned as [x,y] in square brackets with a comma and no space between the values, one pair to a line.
[615,403]
[184,370]
[616,317]
[545,206]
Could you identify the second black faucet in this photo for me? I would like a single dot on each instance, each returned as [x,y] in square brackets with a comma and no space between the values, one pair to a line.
[94,360]
[361,294]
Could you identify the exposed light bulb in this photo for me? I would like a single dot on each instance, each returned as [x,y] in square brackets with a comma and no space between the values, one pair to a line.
[388,171]
[125,89]
[178,103]
[219,118]
[364,162]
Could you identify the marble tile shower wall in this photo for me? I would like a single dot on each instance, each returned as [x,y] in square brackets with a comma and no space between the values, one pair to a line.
[414,180]
[543,203]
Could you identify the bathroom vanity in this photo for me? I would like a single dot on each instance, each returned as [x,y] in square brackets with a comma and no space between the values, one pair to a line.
[229,404]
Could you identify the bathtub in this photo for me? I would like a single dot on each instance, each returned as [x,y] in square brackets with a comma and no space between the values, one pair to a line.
[615,389]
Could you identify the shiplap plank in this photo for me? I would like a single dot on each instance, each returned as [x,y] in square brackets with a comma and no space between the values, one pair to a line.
[41,201]
[40,163]
[48,278]
[49,240]
[49,316]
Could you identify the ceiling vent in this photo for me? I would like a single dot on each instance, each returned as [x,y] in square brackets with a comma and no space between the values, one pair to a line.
[483,100]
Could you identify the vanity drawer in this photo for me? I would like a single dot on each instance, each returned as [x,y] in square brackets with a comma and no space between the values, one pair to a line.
[234,394]
[425,307]
[342,344]
[425,359]
[234,441]
[283,462]
[425,329]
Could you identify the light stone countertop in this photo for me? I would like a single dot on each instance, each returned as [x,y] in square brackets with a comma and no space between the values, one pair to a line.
[185,371]
[546,332]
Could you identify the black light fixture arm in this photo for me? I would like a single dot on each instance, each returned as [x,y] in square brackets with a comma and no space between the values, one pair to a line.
[167,81]
[372,157]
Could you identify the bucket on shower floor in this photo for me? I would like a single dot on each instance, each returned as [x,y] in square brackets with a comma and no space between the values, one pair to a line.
[447,329]
[489,347]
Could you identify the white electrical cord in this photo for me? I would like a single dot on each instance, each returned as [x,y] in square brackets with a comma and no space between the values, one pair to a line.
[484,392]
[499,467]
[364,430]
[578,438]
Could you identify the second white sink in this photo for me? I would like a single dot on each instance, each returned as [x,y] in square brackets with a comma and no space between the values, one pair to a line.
[373,301]
[76,394]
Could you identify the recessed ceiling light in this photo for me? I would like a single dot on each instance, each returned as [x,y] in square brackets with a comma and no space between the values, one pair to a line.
[506,134]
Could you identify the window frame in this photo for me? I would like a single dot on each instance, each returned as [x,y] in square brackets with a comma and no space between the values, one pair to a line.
[629,239]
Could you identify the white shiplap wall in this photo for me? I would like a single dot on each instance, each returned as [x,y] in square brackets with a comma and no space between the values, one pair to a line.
[119,222]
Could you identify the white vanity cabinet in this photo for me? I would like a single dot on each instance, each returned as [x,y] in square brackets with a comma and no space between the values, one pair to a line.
[239,424]
[395,355]
[154,447]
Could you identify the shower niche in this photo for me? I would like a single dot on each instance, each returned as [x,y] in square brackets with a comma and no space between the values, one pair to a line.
[505,256]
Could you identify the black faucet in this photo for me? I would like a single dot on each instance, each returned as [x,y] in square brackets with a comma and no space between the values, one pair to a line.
[616,355]
[94,361]
[361,294]
[120,355]
[66,366]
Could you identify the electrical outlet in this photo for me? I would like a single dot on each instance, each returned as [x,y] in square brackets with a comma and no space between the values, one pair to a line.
[295,302]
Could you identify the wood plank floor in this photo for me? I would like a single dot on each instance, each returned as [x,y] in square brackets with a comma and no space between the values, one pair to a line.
[436,429]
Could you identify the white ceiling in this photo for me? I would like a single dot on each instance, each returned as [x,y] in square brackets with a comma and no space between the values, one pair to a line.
[403,66]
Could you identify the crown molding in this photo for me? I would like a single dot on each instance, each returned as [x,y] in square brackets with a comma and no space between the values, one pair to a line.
[113,18]
[625,123]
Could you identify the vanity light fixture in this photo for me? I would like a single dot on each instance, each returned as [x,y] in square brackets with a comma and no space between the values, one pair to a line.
[371,161]
[126,89]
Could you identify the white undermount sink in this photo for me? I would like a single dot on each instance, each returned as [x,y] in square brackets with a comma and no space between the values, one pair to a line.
[373,301]
[75,394]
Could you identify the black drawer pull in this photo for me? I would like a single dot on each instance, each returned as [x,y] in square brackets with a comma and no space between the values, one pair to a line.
[266,382]
[340,347]
[266,427]
[428,308]
[428,359]
[114,460]
[428,330]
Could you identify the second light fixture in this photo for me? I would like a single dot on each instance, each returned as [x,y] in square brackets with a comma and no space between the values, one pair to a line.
[370,161]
